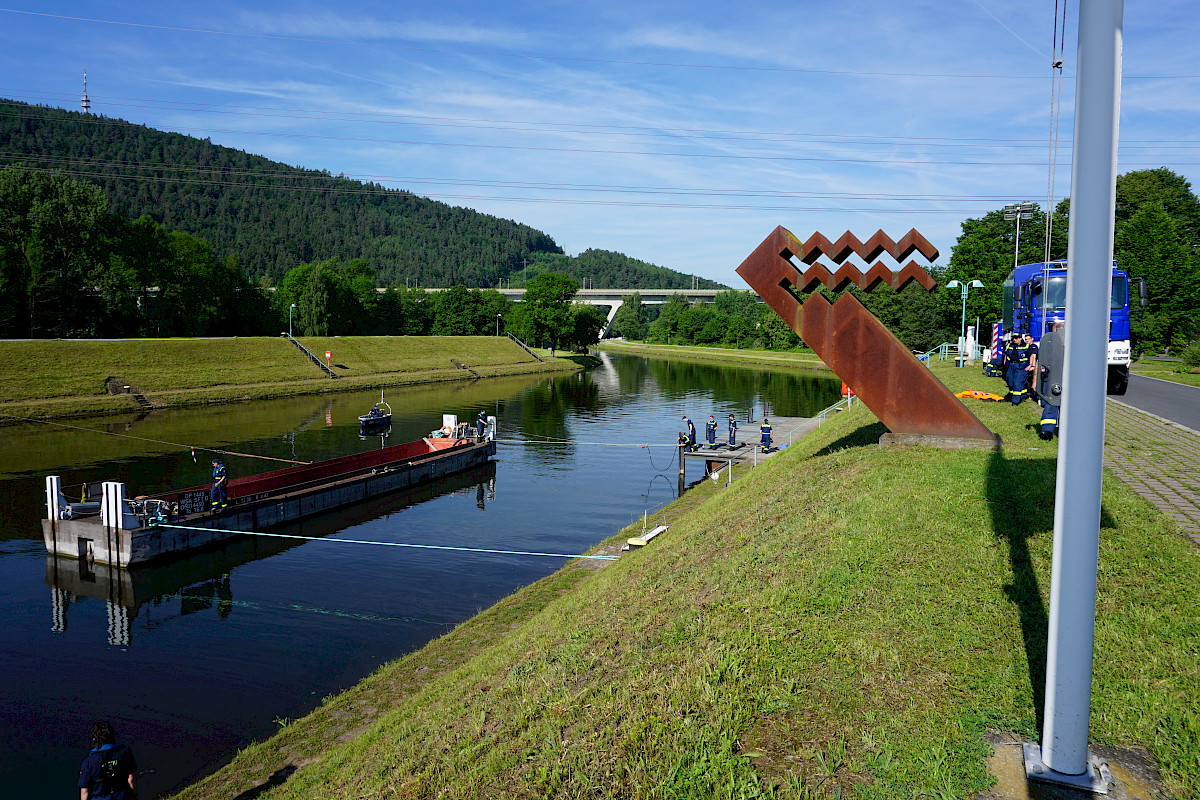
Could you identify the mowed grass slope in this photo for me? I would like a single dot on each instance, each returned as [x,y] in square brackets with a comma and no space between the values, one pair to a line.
[46,376]
[844,620]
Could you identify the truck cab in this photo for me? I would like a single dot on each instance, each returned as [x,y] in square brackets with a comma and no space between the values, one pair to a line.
[1035,297]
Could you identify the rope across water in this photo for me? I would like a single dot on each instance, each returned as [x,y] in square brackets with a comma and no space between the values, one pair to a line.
[383,544]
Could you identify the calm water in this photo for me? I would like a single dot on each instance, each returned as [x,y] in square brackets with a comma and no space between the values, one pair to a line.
[196,658]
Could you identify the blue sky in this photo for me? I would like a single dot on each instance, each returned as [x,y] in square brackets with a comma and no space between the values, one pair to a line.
[680,134]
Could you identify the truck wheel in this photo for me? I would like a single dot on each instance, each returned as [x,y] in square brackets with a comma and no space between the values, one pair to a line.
[1118,382]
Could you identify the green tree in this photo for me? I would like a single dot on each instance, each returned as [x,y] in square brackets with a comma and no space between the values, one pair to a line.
[775,332]
[1141,188]
[586,322]
[1153,246]
[547,309]
[665,328]
[630,319]
[49,225]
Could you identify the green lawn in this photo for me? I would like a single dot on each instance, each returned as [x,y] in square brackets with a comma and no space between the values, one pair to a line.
[1165,370]
[64,377]
[844,620]
[804,359]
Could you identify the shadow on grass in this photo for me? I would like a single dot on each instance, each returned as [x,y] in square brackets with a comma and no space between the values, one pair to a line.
[1021,498]
[276,779]
[586,361]
[860,437]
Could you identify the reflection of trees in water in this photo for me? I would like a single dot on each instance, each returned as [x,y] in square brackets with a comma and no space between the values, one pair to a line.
[789,394]
[544,408]
[632,373]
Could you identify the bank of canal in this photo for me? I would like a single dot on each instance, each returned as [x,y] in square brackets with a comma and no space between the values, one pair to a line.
[194,660]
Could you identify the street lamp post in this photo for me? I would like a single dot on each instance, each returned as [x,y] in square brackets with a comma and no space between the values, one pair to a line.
[498,316]
[962,341]
[1018,211]
[290,309]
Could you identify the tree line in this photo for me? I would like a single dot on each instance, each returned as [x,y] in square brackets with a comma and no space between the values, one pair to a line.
[273,217]
[72,267]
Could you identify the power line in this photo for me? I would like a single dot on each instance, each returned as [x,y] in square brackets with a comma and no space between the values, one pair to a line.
[518,56]
[590,151]
[496,184]
[720,135]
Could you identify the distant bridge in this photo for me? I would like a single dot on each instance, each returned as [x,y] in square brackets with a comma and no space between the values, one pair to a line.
[615,298]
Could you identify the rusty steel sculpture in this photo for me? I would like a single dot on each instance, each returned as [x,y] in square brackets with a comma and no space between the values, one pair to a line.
[885,375]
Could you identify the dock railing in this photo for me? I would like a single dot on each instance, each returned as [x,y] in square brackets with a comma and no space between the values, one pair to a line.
[846,403]
[524,346]
[311,356]
[947,350]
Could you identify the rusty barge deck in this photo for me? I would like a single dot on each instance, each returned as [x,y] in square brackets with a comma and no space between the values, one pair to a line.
[129,537]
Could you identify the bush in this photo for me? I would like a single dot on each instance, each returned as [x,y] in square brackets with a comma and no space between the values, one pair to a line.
[1191,356]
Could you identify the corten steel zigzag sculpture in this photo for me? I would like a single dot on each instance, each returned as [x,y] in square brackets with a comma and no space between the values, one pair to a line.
[886,376]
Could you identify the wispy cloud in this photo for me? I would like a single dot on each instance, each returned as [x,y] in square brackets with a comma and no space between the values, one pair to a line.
[375,29]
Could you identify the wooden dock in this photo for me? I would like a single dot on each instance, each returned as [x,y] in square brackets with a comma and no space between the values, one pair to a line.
[784,431]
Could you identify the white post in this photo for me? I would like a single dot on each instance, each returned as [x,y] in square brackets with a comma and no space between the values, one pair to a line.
[1081,447]
[112,505]
[53,490]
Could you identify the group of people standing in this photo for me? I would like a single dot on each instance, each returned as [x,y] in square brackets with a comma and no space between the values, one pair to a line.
[1030,367]
[687,439]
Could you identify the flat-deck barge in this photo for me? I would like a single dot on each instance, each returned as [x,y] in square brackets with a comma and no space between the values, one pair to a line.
[131,531]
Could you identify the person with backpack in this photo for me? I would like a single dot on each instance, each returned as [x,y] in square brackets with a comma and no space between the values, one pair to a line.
[108,771]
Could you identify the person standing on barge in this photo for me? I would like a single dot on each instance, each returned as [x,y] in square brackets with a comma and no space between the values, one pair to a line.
[219,494]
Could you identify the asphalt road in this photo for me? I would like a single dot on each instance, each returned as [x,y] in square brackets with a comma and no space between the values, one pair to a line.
[1173,401]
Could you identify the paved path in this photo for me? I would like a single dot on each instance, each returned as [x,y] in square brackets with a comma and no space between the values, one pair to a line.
[1174,401]
[1160,460]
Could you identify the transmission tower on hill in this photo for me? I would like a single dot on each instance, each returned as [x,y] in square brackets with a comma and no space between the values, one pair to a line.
[84,103]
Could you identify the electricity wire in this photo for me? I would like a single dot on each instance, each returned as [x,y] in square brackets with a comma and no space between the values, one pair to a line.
[154,441]
[497,54]
[1056,80]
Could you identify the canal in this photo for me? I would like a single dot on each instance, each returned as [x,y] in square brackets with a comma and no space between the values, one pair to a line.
[194,659]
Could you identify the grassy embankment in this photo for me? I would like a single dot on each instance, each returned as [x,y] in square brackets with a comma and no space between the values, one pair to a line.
[58,378]
[802,359]
[844,620]
[1165,370]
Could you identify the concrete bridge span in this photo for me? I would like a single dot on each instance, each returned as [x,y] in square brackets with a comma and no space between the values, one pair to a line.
[615,298]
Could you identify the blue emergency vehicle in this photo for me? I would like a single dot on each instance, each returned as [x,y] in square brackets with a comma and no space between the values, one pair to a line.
[1035,297]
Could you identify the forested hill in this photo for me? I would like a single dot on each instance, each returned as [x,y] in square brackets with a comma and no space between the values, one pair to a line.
[272,216]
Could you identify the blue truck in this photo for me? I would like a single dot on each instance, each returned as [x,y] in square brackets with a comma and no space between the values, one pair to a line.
[1035,297]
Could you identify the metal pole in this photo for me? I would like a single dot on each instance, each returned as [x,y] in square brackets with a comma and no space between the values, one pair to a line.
[962,341]
[1017,248]
[1077,494]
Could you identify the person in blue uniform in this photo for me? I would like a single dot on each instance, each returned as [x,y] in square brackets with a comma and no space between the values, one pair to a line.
[710,430]
[1016,370]
[765,430]
[480,425]
[1050,368]
[108,771]
[691,434]
[732,431]
[219,494]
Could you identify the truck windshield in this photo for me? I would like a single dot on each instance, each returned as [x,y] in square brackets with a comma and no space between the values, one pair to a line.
[1056,293]
[1120,290]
